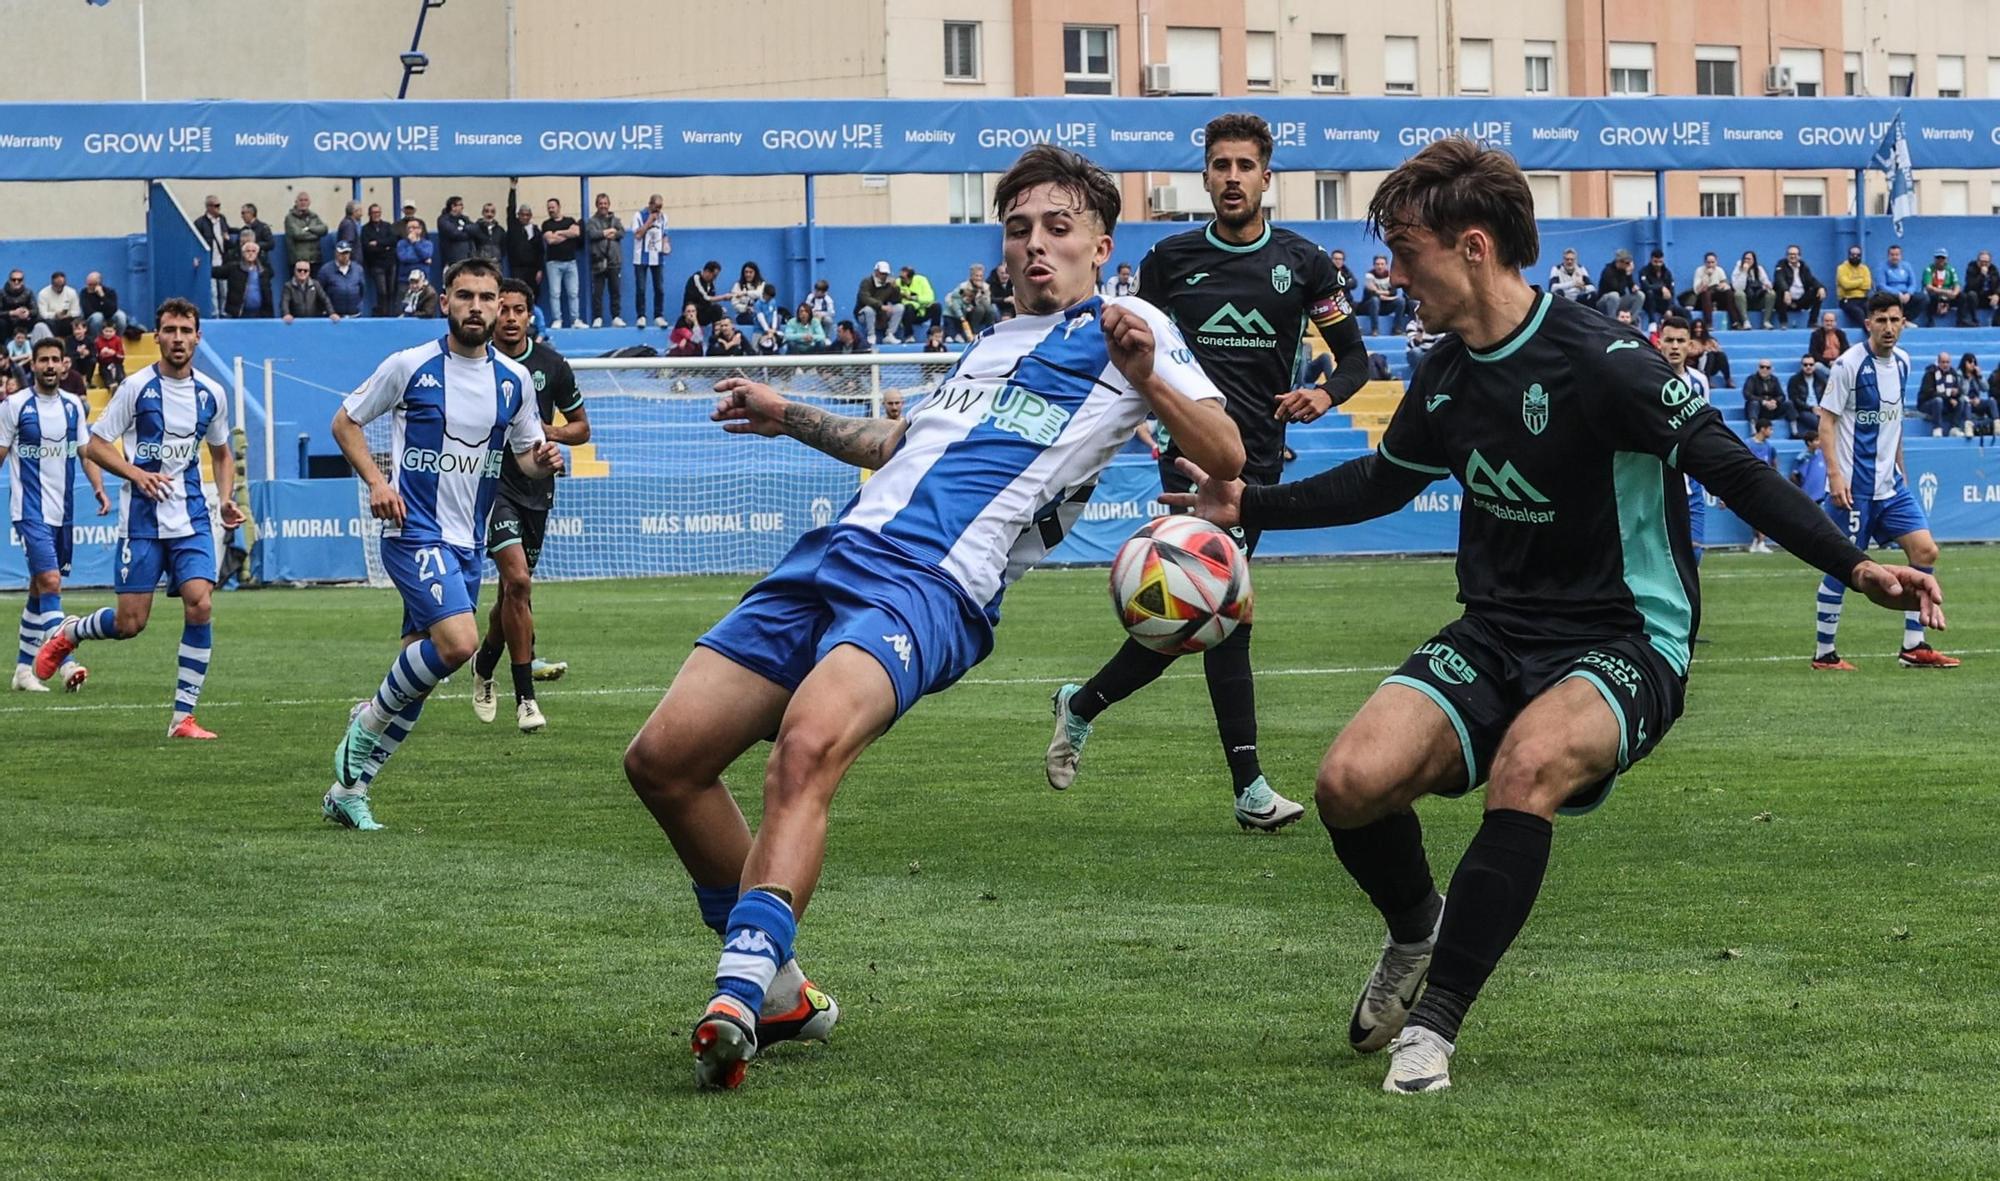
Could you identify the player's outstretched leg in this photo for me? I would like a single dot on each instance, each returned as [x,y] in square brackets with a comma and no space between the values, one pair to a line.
[38,617]
[486,661]
[197,639]
[1134,667]
[1832,593]
[375,730]
[126,621]
[1922,551]
[1232,693]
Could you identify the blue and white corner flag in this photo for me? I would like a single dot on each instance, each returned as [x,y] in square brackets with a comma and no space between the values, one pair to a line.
[1892,156]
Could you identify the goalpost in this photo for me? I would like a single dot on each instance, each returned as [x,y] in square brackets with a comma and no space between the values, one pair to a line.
[662,490]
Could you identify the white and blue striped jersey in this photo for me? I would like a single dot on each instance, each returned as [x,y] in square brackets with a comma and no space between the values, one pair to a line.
[161,422]
[1698,381]
[1865,393]
[998,459]
[42,435]
[452,417]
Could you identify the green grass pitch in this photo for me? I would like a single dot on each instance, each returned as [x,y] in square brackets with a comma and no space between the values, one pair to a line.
[1772,954]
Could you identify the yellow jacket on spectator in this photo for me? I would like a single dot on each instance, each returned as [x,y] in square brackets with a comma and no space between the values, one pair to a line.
[1853,280]
[917,294]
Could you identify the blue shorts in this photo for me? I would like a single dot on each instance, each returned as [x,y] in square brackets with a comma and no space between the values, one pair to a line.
[1882,521]
[437,581]
[141,561]
[47,546]
[848,586]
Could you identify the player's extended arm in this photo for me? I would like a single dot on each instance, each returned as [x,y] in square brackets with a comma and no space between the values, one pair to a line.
[1350,358]
[542,459]
[1836,480]
[224,463]
[573,431]
[1358,490]
[1201,429]
[752,408]
[108,455]
[95,475]
[384,503]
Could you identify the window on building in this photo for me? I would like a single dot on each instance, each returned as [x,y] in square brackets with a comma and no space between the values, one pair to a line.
[1475,67]
[1632,196]
[1195,58]
[961,51]
[1993,77]
[1329,62]
[1088,64]
[1902,74]
[1539,68]
[1546,187]
[966,200]
[1804,65]
[1850,71]
[1954,197]
[1993,198]
[1721,196]
[1715,69]
[1178,196]
[1260,64]
[1330,196]
[1399,65]
[1631,67]
[1805,196]
[1951,77]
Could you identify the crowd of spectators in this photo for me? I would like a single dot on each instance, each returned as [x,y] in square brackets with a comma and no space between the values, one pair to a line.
[86,319]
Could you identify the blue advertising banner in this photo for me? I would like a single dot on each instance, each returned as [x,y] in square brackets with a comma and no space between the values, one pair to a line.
[111,141]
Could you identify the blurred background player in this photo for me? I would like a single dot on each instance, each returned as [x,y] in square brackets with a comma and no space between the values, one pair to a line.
[455,402]
[520,518]
[43,428]
[1676,337]
[898,598]
[1241,291]
[148,436]
[1861,427]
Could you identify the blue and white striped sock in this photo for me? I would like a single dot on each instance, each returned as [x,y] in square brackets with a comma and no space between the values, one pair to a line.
[716,902]
[1832,593]
[759,942]
[417,670]
[196,639]
[1913,624]
[34,626]
[101,624]
[392,736]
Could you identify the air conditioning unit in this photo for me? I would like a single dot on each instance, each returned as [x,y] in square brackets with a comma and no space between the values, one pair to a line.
[1164,199]
[1159,78]
[1778,80]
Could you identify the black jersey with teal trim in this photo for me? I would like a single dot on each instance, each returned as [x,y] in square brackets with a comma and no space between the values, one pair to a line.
[555,389]
[1243,310]
[1565,436]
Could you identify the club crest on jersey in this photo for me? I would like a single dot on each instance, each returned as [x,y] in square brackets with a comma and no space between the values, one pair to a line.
[1535,409]
[541,381]
[1281,278]
[1075,322]
[506,389]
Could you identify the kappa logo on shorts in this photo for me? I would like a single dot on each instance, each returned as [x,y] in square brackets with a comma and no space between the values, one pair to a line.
[901,643]
[1447,665]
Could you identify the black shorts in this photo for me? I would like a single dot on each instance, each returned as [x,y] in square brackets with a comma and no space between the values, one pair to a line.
[1482,680]
[514,524]
[1171,480]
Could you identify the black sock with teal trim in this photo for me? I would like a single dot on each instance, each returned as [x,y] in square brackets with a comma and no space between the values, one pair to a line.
[1492,892]
[1134,667]
[1386,859]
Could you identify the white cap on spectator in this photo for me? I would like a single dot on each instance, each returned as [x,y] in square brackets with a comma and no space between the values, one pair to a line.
[882,267]
[416,272]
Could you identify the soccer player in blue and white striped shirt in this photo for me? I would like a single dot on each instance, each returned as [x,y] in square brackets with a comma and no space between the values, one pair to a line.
[457,403]
[898,597]
[42,428]
[149,436]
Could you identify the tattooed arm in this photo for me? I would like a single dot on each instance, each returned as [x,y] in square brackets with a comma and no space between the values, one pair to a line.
[749,408]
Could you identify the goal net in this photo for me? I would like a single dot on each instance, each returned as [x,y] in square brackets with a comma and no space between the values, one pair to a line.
[660,489]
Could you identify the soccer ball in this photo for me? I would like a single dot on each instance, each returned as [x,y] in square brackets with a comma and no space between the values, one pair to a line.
[1180,585]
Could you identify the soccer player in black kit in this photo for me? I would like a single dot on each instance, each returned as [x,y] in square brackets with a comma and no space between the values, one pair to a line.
[1241,291]
[520,518]
[1571,438]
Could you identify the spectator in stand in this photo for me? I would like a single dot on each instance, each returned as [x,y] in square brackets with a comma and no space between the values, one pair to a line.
[1122,283]
[684,339]
[1763,398]
[1853,282]
[20,349]
[58,306]
[1344,278]
[1380,298]
[82,349]
[1753,291]
[1711,286]
[378,258]
[454,233]
[1797,288]
[1828,341]
[1760,446]
[1809,472]
[1417,344]
[414,252]
[920,305]
[303,297]
[1568,279]
[1618,289]
[1941,398]
[341,280]
[770,320]
[650,248]
[10,382]
[17,305]
[562,241]
[256,229]
[526,260]
[743,296]
[410,215]
[489,236]
[1982,291]
[349,229]
[892,404]
[251,295]
[1979,400]
[216,233]
[1802,394]
[110,357]
[1900,281]
[1003,292]
[934,339]
[726,341]
[303,230]
[605,231]
[1941,289]
[878,305]
[1705,353]
[700,294]
[968,310]
[802,333]
[821,302]
[1656,281]
[420,299]
[100,305]
[847,339]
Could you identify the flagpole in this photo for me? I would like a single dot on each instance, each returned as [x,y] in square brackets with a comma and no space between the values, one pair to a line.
[142,50]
